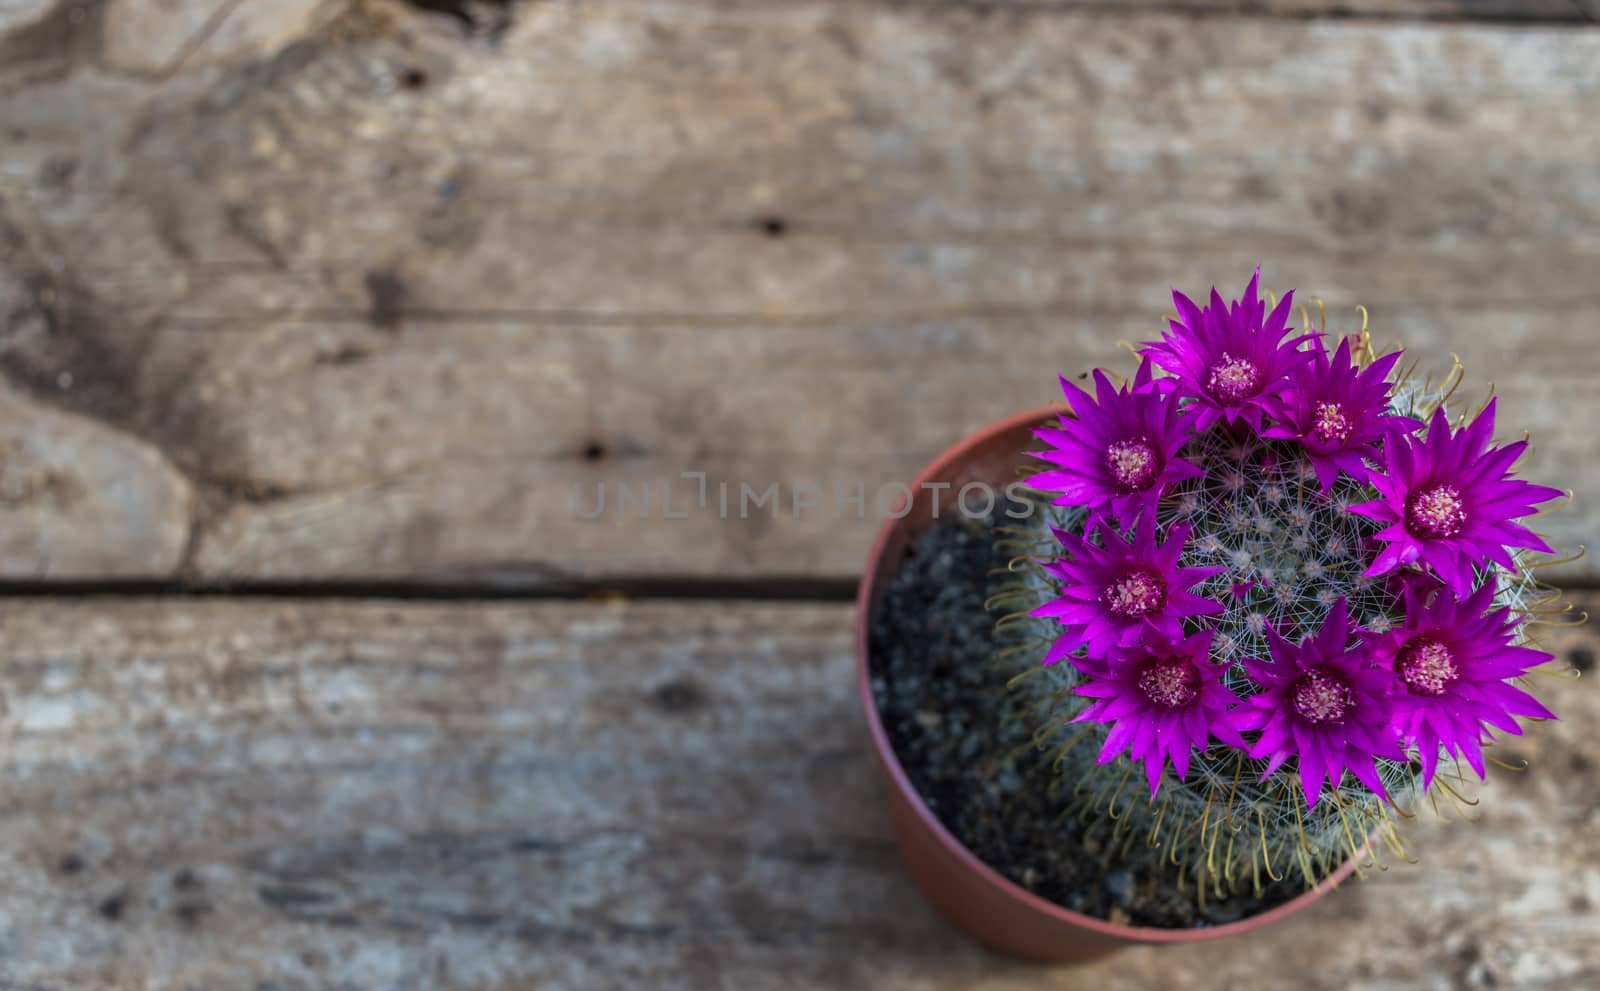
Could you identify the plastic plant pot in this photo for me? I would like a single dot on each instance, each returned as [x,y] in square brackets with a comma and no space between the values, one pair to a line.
[987,906]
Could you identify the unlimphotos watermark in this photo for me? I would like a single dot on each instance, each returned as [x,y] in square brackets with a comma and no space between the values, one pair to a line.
[672,499]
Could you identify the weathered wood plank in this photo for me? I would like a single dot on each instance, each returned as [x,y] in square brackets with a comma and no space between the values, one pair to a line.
[389,298]
[141,37]
[119,512]
[322,794]
[164,36]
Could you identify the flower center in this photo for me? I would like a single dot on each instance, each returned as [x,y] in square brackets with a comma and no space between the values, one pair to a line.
[1427,666]
[1437,512]
[1170,683]
[1136,594]
[1233,379]
[1330,424]
[1321,698]
[1132,463]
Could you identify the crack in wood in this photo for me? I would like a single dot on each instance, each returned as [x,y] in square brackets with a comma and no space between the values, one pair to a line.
[654,587]
[1509,12]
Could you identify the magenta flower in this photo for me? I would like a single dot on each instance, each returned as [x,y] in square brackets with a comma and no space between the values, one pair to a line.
[1230,359]
[1450,500]
[1453,661]
[1162,701]
[1324,704]
[1337,412]
[1126,590]
[1122,450]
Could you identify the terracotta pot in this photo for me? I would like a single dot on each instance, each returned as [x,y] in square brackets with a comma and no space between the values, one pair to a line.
[971,894]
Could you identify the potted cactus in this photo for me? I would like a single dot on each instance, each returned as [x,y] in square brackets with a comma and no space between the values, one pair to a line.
[1257,604]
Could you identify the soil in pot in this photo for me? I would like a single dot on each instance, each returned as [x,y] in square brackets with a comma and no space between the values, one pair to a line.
[969,751]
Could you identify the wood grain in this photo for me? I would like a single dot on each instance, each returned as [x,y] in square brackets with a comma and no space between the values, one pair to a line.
[296,794]
[391,297]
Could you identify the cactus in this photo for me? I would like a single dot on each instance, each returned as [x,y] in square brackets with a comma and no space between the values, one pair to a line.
[1282,586]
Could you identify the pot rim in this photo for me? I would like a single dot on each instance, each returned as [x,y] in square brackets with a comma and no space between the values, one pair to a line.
[876,571]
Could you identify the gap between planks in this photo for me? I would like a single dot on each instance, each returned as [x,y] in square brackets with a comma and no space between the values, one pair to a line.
[798,589]
[778,589]
[1573,13]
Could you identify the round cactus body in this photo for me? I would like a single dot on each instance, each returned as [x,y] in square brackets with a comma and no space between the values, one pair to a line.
[1275,593]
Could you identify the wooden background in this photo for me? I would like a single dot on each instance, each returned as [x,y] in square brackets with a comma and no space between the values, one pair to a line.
[316,316]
